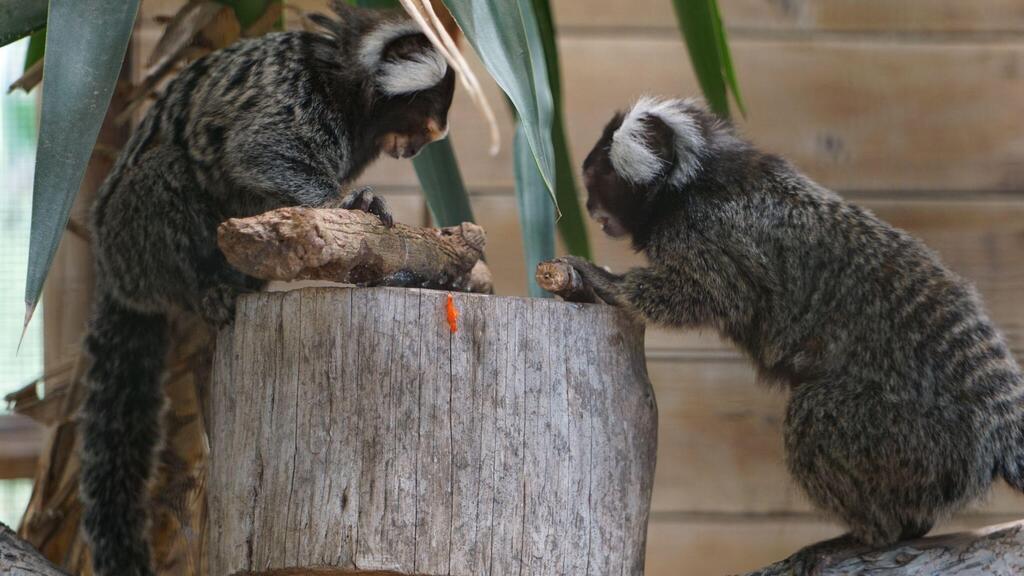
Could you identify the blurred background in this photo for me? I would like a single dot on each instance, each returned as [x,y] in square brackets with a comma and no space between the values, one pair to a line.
[913,108]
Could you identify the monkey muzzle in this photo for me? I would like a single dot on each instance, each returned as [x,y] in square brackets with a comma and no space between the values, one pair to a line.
[409,145]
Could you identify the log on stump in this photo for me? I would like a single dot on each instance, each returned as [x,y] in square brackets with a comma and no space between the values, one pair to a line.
[992,551]
[354,247]
[562,280]
[18,558]
[352,429]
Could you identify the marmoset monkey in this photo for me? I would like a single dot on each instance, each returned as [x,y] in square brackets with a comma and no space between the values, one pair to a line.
[286,119]
[905,403]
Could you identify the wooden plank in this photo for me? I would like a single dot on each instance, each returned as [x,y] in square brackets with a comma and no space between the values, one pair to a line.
[720,443]
[724,545]
[805,15]
[801,15]
[981,240]
[880,115]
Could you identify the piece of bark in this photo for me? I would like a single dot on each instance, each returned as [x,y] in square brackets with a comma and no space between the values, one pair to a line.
[19,558]
[351,429]
[991,551]
[354,247]
[564,281]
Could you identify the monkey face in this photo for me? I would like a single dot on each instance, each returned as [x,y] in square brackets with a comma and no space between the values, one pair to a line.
[411,121]
[612,202]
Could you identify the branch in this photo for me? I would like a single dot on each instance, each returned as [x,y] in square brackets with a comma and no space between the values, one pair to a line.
[564,281]
[354,247]
[19,557]
[994,550]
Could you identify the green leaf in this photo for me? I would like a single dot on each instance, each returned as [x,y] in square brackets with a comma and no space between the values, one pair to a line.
[19,18]
[570,225]
[506,35]
[705,38]
[726,57]
[85,47]
[36,48]
[536,213]
[248,11]
[439,175]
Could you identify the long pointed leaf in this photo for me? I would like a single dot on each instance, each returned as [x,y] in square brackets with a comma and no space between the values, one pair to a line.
[726,57]
[697,22]
[507,37]
[85,46]
[36,48]
[439,175]
[536,214]
[19,18]
[570,225]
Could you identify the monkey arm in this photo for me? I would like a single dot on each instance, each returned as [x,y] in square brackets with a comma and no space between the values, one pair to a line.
[679,296]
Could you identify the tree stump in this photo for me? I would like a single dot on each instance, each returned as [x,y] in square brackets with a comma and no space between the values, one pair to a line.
[357,430]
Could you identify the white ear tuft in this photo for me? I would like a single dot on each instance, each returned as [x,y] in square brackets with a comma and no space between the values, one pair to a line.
[633,159]
[424,70]
[394,77]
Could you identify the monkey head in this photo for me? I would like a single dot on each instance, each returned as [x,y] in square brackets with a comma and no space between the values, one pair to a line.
[654,146]
[405,84]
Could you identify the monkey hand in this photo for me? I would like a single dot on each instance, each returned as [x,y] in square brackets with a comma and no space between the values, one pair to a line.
[365,200]
[607,286]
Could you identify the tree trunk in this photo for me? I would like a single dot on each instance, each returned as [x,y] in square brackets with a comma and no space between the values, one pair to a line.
[19,558]
[991,551]
[358,430]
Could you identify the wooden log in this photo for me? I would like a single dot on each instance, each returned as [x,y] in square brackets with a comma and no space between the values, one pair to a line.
[19,558]
[564,281]
[992,551]
[354,247]
[352,429]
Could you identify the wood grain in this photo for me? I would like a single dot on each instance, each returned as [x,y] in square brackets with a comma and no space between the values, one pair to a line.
[709,545]
[352,429]
[948,16]
[880,115]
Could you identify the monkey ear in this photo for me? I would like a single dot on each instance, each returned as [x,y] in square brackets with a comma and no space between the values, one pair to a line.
[406,61]
[658,139]
[643,149]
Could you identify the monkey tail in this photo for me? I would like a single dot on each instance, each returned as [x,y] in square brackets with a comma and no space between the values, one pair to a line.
[1012,468]
[120,427]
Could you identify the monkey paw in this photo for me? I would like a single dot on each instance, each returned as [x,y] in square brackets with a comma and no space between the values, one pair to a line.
[601,281]
[365,200]
[217,306]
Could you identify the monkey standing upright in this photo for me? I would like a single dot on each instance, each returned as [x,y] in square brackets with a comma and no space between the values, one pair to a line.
[286,119]
[904,404]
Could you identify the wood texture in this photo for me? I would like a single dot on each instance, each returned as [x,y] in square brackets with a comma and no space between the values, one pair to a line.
[354,247]
[993,551]
[946,16]
[18,558]
[352,429]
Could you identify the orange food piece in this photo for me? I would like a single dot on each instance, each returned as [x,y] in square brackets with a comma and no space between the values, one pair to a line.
[453,314]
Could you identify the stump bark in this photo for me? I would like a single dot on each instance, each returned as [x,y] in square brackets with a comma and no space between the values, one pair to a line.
[353,431]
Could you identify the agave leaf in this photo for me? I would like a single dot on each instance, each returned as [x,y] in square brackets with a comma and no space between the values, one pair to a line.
[438,171]
[706,43]
[536,214]
[506,35]
[85,47]
[19,18]
[570,225]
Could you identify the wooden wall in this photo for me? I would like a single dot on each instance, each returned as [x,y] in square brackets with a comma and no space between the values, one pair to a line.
[913,107]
